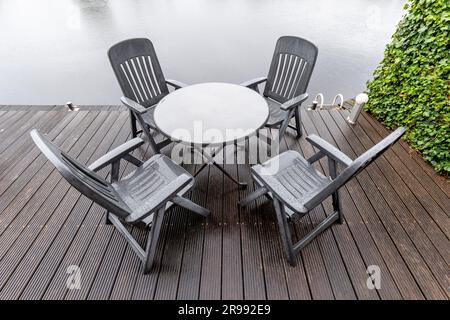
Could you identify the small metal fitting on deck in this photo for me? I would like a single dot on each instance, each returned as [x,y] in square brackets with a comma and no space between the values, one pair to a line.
[360,100]
[316,103]
[338,104]
[71,106]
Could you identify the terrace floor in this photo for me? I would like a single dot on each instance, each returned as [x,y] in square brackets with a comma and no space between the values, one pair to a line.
[396,217]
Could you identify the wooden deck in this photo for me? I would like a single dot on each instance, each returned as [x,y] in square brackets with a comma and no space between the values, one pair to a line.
[396,217]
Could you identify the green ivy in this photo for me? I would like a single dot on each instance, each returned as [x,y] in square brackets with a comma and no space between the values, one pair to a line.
[410,88]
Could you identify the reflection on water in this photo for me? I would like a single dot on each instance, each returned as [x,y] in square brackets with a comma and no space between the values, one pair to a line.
[53,51]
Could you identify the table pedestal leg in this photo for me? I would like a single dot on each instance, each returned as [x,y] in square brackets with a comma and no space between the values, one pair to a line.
[201,169]
[239,183]
[210,160]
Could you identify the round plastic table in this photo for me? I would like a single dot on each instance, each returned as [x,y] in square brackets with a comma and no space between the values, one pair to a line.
[211,114]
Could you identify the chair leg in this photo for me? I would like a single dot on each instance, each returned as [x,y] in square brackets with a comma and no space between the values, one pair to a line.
[335,196]
[134,245]
[148,134]
[107,221]
[188,204]
[337,206]
[321,227]
[152,240]
[267,140]
[285,232]
[163,143]
[298,122]
[284,125]
[133,124]
[115,172]
[253,196]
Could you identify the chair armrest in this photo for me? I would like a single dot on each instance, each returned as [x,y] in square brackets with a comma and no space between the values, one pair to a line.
[329,150]
[294,102]
[254,82]
[116,154]
[133,105]
[165,194]
[176,84]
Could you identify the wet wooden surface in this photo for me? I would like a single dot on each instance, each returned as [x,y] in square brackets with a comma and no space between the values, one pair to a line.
[396,217]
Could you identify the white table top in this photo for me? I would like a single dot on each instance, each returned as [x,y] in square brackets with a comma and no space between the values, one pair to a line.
[211,113]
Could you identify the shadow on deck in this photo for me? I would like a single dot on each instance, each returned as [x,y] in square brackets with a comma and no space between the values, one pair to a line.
[396,217]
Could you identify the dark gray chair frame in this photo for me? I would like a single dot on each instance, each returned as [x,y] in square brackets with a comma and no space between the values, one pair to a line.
[291,68]
[143,84]
[289,210]
[91,185]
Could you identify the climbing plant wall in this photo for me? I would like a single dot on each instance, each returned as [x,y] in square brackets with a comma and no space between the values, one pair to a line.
[410,88]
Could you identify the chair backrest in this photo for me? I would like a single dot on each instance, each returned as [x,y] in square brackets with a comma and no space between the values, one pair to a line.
[371,155]
[356,167]
[291,68]
[81,178]
[138,71]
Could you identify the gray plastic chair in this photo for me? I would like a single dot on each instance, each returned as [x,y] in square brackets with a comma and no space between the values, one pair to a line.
[141,198]
[296,187]
[291,68]
[143,85]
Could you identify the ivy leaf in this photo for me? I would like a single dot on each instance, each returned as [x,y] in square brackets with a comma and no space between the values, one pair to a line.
[411,86]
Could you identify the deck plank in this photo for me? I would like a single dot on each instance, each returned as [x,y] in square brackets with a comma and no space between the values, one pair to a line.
[348,247]
[252,264]
[171,265]
[394,261]
[90,232]
[54,224]
[20,150]
[414,223]
[84,218]
[189,279]
[404,244]
[337,273]
[396,217]
[90,261]
[405,152]
[211,277]
[232,273]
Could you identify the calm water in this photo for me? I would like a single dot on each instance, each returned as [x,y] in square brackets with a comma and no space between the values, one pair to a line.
[52,51]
